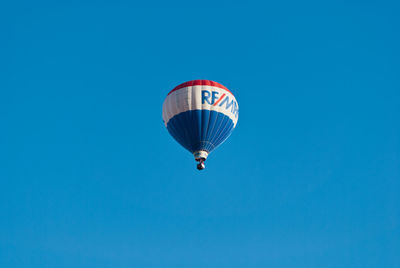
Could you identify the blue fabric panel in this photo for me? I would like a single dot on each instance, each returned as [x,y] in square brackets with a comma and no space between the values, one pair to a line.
[200,129]
[205,119]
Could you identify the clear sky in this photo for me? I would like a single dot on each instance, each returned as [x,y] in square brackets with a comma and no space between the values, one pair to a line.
[89,176]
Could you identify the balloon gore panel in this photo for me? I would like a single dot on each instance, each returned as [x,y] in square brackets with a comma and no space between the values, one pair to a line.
[200,129]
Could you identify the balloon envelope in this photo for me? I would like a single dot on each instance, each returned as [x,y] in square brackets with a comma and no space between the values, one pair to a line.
[200,115]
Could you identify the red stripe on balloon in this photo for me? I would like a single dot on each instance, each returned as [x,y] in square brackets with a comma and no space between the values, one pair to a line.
[199,83]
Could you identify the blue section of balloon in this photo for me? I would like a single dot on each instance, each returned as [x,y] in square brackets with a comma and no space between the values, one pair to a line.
[200,129]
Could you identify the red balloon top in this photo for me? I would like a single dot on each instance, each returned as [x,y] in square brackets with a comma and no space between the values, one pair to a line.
[199,83]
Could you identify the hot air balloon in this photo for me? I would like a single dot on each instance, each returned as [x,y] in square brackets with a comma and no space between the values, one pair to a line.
[200,115]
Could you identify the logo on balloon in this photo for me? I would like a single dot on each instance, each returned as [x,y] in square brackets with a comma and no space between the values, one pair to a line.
[213,98]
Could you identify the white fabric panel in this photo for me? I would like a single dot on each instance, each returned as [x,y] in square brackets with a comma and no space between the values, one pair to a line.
[190,98]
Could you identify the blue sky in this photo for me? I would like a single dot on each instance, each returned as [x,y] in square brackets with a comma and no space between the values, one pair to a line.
[89,176]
